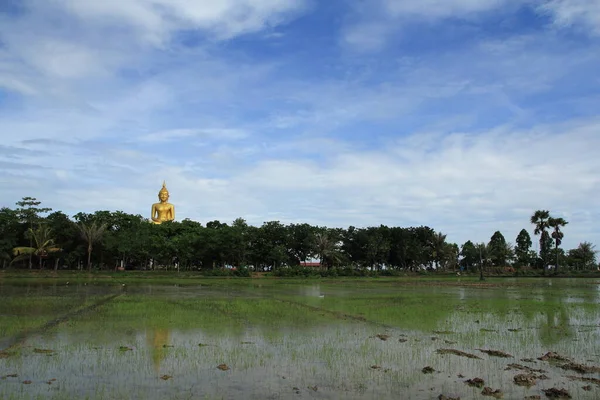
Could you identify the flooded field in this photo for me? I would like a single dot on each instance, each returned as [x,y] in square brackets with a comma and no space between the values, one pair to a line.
[268,339]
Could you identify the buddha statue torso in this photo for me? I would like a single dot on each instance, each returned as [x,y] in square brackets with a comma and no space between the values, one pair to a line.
[163,211]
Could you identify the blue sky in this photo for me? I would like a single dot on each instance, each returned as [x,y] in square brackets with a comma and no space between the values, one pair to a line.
[463,115]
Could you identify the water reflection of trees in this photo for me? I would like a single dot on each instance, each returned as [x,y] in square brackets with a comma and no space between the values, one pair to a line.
[556,326]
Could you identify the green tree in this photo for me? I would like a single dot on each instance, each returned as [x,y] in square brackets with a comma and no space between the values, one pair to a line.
[523,248]
[43,244]
[91,233]
[29,213]
[9,234]
[354,246]
[557,236]
[584,256]
[499,250]
[327,247]
[540,220]
[377,246]
[451,255]
[439,247]
[484,258]
[470,255]
[301,242]
[65,235]
[270,245]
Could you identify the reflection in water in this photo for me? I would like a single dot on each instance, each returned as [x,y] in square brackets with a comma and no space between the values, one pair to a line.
[157,341]
[557,326]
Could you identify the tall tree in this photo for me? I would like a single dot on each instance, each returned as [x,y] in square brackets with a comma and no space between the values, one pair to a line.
[327,248]
[540,220]
[29,213]
[439,247]
[470,255]
[557,235]
[484,258]
[523,248]
[10,230]
[91,233]
[498,249]
[451,254]
[43,244]
[65,236]
[301,242]
[377,246]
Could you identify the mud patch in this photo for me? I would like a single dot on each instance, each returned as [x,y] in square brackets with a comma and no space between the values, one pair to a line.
[488,391]
[475,382]
[551,356]
[5,354]
[443,397]
[457,353]
[43,351]
[527,380]
[584,379]
[496,353]
[555,393]
[520,367]
[582,369]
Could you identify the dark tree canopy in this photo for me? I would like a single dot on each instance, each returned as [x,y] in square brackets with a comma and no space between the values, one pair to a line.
[115,239]
[523,249]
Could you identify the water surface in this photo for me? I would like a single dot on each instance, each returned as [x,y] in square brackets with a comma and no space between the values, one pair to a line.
[282,339]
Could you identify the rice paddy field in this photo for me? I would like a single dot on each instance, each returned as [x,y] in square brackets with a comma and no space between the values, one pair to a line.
[291,339]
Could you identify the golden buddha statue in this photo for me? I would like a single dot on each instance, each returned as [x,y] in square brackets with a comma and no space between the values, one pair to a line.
[163,211]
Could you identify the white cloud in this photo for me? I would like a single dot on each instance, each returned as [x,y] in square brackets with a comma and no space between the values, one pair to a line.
[578,13]
[178,134]
[54,45]
[375,21]
[433,9]
[367,36]
[155,20]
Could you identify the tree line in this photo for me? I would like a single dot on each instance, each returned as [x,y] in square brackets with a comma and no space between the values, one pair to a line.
[34,236]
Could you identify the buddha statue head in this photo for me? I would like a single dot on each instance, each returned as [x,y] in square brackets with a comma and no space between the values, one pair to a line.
[163,194]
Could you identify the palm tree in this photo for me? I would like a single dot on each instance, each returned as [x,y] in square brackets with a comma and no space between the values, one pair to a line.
[586,253]
[91,233]
[327,249]
[557,235]
[540,220]
[42,243]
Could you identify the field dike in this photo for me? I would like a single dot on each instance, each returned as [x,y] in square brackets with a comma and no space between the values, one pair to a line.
[8,344]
